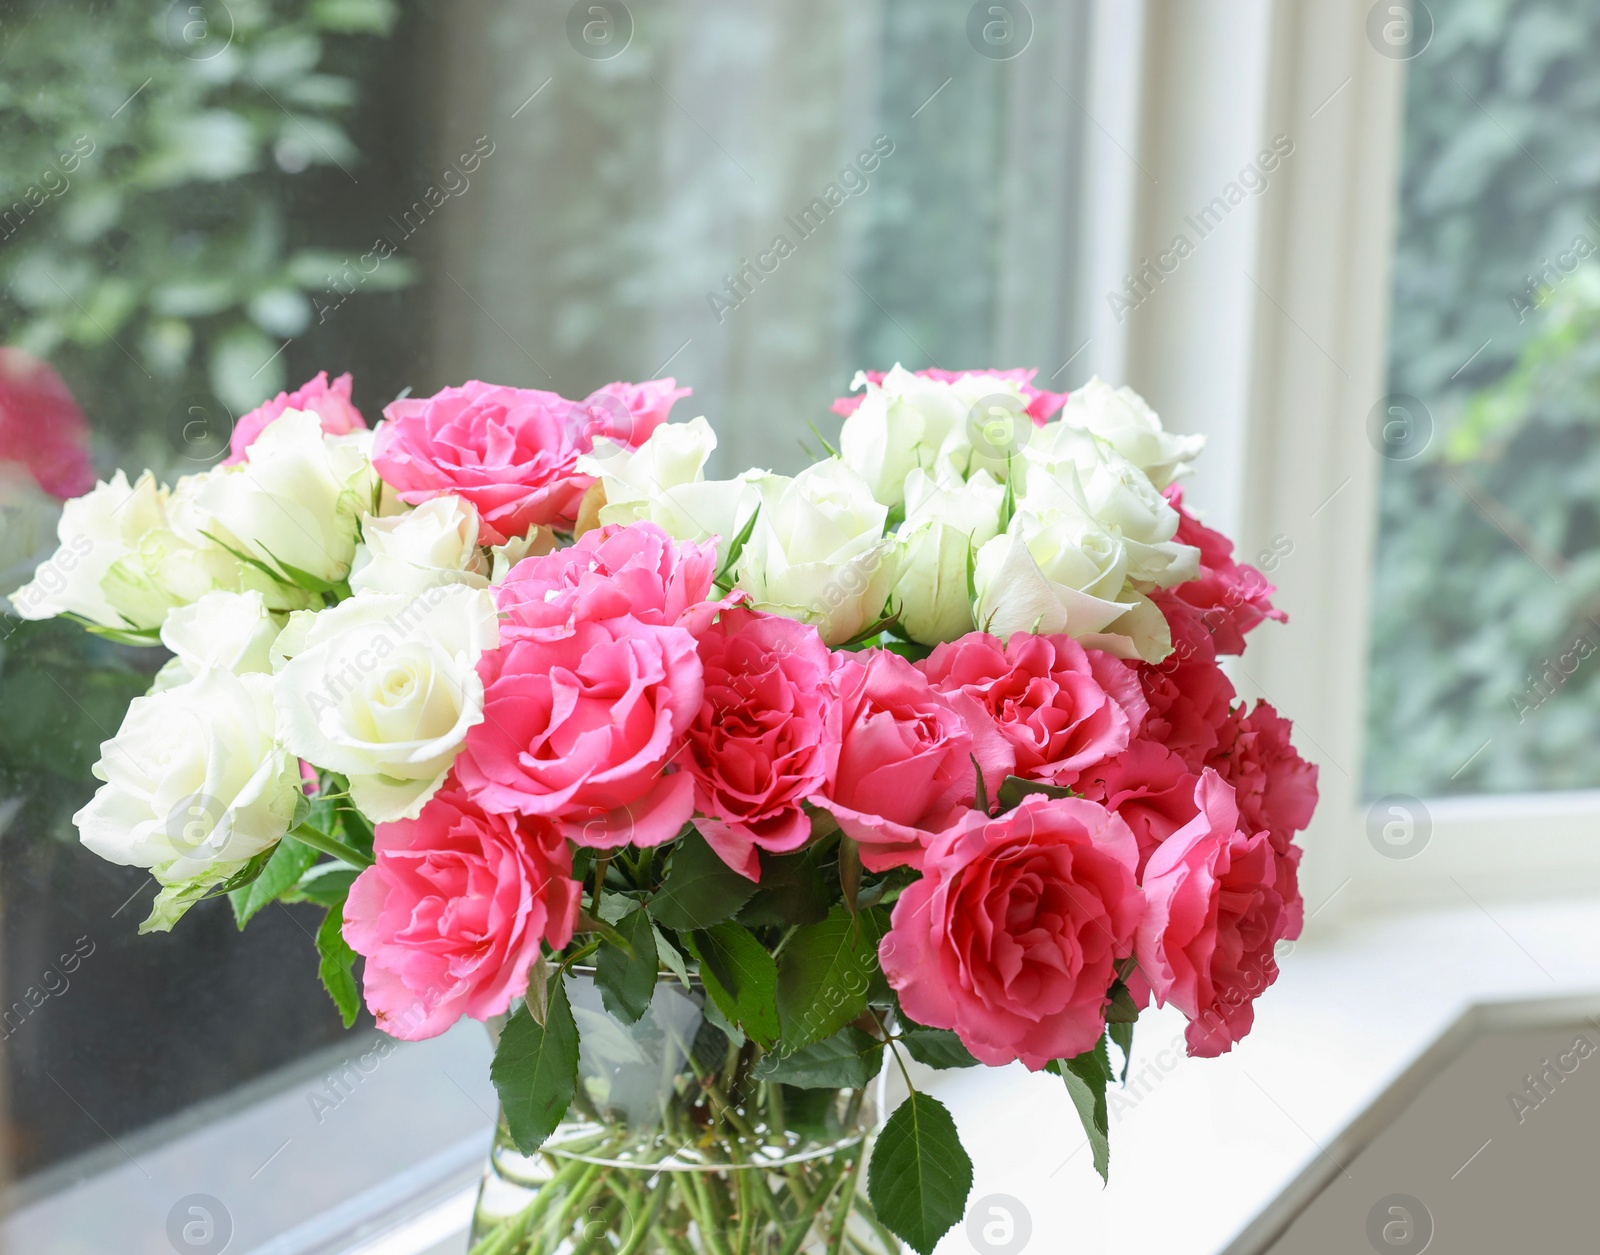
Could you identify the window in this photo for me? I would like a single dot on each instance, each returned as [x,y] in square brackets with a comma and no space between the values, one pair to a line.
[201,205]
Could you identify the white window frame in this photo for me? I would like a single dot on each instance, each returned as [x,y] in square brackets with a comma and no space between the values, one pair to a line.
[1272,339]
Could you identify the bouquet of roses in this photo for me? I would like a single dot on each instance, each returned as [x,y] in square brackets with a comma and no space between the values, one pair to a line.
[925,749]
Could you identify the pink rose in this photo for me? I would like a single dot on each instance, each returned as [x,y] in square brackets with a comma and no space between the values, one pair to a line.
[1041,404]
[905,759]
[1150,789]
[1276,788]
[42,427]
[328,401]
[512,452]
[1219,900]
[761,744]
[1013,935]
[1188,694]
[612,571]
[451,915]
[1057,707]
[1229,598]
[584,728]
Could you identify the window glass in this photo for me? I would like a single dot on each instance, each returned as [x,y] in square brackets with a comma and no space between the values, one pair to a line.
[203,204]
[1485,662]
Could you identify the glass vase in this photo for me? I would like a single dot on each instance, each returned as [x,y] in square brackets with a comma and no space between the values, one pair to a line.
[675,1145]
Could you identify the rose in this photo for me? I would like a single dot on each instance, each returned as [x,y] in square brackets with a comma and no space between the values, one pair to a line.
[329,402]
[906,759]
[903,422]
[583,727]
[512,452]
[945,525]
[1150,788]
[1041,404]
[1219,901]
[41,426]
[383,689]
[1012,937]
[636,571]
[451,915]
[1058,708]
[1276,789]
[1228,598]
[1188,694]
[817,552]
[292,506]
[196,785]
[233,631]
[760,744]
[663,481]
[434,544]
[1122,418]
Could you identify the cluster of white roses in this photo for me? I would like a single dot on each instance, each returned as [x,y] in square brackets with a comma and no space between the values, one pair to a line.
[946,509]
[311,617]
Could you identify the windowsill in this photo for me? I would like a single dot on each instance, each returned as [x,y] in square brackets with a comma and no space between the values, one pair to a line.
[393,1168]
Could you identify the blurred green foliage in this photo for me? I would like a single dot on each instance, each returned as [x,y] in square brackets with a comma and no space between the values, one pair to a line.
[1485,664]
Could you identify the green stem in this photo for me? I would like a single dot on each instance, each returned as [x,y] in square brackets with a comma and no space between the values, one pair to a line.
[307,835]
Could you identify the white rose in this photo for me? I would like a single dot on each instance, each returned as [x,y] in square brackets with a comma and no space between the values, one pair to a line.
[817,552]
[1123,418]
[293,505]
[663,482]
[437,543]
[945,526]
[231,631]
[538,542]
[196,785]
[383,688]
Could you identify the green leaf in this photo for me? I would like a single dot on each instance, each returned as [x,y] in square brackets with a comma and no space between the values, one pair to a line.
[326,884]
[936,1048]
[628,983]
[246,874]
[793,891]
[725,576]
[1122,1034]
[980,801]
[740,976]
[850,1059]
[289,861]
[1087,1076]
[699,889]
[335,968]
[1015,788]
[920,1174]
[535,1070]
[825,973]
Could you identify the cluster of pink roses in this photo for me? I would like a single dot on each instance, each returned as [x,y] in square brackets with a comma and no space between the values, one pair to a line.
[625,701]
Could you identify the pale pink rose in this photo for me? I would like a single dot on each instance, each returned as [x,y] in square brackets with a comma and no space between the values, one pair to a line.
[1149,787]
[611,571]
[1229,598]
[41,426]
[1276,788]
[1013,935]
[512,452]
[1219,899]
[1188,695]
[451,915]
[584,729]
[761,743]
[1058,707]
[330,402]
[1041,404]
[905,759]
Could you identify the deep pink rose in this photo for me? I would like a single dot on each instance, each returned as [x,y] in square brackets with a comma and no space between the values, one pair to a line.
[1013,934]
[1276,788]
[512,452]
[761,743]
[1149,787]
[611,571]
[452,913]
[1219,899]
[1188,694]
[1058,707]
[1229,598]
[42,427]
[328,401]
[584,728]
[1041,404]
[905,759]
